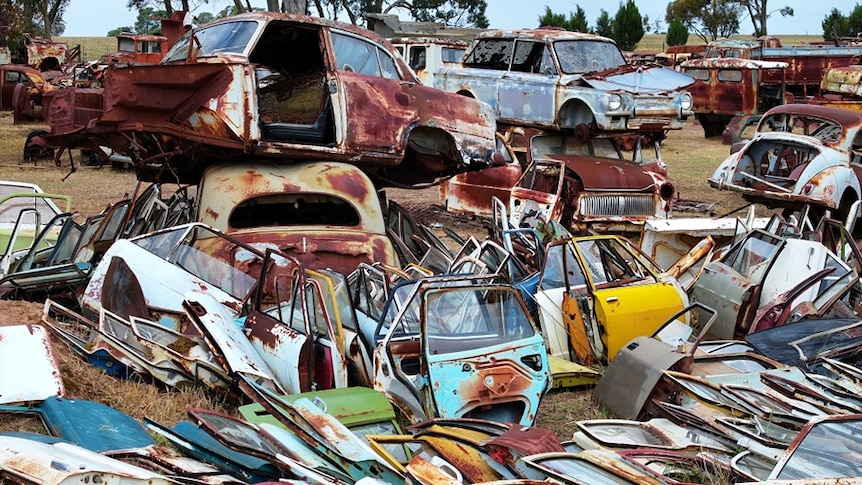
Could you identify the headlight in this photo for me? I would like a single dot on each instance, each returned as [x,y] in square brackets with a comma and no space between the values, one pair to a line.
[686,102]
[615,102]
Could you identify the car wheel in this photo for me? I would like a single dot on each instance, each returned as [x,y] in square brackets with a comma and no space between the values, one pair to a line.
[34,151]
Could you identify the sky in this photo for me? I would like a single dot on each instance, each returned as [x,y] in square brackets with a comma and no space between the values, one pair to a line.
[96,17]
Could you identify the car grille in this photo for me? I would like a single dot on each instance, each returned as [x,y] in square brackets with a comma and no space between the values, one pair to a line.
[617,205]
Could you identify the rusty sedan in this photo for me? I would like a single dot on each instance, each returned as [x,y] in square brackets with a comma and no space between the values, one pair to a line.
[801,154]
[227,90]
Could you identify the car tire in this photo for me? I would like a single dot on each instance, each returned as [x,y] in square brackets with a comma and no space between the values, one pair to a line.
[34,152]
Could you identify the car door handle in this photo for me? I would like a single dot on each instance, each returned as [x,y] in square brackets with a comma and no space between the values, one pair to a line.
[612,299]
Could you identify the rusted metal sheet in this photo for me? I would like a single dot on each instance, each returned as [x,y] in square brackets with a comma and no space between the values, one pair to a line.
[230,345]
[28,347]
[728,87]
[45,54]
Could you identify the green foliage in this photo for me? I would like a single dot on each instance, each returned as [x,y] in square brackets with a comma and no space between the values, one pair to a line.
[147,22]
[119,30]
[576,22]
[628,26]
[604,26]
[203,18]
[708,19]
[456,13]
[677,33]
[835,24]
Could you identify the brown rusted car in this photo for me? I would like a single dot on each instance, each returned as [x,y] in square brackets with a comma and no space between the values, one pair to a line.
[277,85]
[21,91]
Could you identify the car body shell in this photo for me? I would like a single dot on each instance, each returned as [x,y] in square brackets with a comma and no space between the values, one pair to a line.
[21,90]
[589,186]
[818,163]
[346,95]
[460,346]
[326,214]
[562,79]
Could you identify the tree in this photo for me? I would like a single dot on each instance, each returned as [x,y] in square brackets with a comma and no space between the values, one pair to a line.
[709,19]
[835,25]
[41,17]
[647,24]
[758,12]
[677,34]
[119,30]
[147,21]
[576,22]
[204,18]
[628,27]
[604,27]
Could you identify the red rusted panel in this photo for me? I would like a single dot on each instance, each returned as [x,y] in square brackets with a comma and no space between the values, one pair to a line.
[472,192]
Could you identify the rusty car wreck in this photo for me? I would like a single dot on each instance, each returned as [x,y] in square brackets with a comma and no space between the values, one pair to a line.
[800,155]
[554,79]
[225,91]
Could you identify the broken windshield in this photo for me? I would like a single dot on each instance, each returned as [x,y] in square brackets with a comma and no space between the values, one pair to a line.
[220,38]
[580,56]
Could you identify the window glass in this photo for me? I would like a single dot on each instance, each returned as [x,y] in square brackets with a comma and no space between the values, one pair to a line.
[387,65]
[702,74]
[417,57]
[226,37]
[577,56]
[453,54]
[355,55]
[490,54]
[730,75]
[528,56]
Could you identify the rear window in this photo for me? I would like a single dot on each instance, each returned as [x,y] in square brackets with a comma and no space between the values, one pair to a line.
[293,210]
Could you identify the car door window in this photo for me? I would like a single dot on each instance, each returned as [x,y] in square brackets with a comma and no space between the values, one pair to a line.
[530,57]
[356,55]
[490,54]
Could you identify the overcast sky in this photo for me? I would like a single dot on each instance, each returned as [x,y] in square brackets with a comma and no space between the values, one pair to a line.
[97,17]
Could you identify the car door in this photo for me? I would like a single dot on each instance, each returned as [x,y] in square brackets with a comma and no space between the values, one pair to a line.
[484,358]
[374,106]
[565,304]
[526,91]
[630,297]
[278,326]
[731,284]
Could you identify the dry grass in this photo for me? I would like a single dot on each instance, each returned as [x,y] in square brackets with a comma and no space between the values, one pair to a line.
[92,48]
[656,42]
[690,158]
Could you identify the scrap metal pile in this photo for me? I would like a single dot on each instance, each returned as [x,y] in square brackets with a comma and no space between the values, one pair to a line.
[730,347]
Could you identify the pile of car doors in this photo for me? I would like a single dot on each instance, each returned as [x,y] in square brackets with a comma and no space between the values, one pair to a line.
[758,417]
[51,254]
[191,306]
[347,435]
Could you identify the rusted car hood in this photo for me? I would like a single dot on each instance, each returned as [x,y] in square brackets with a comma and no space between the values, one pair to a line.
[639,80]
[605,174]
